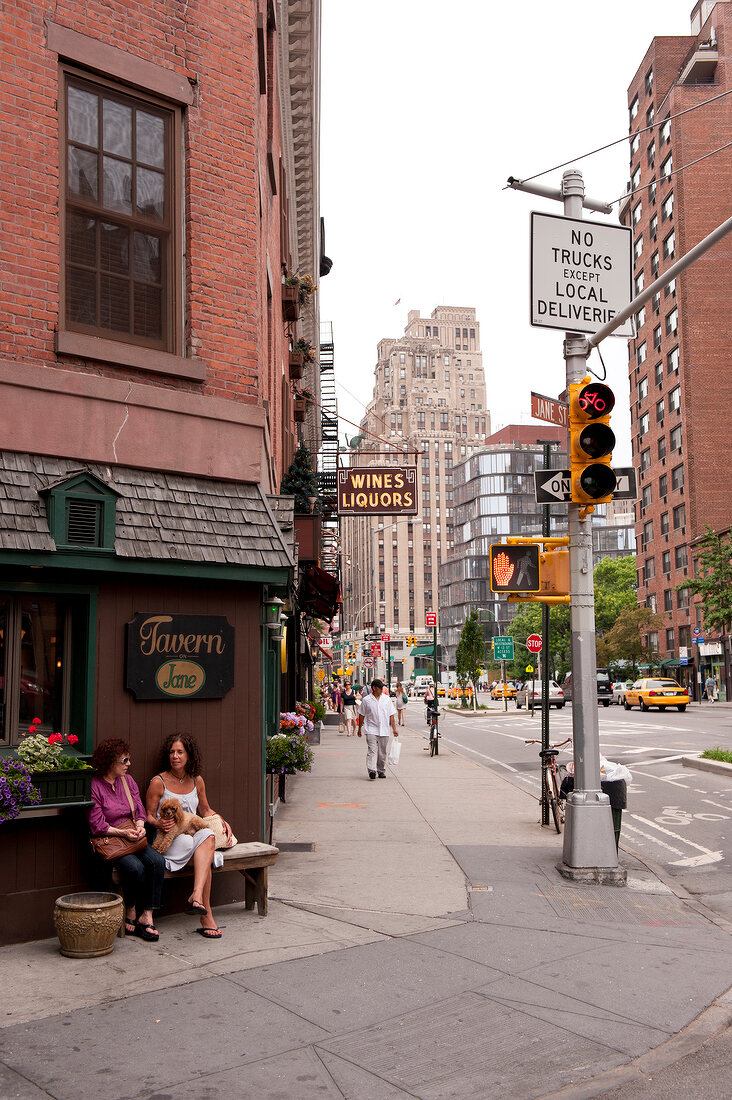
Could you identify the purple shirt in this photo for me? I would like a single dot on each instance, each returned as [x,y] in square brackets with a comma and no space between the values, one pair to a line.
[111,806]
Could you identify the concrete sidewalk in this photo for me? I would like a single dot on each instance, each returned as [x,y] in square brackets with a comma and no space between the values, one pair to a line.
[420,943]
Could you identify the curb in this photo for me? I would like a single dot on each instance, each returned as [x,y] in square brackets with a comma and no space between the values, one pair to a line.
[717,766]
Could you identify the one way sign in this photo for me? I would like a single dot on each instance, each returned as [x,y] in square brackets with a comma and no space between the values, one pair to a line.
[556,485]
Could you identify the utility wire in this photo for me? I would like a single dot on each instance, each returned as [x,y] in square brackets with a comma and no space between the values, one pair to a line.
[611,144]
[676,171]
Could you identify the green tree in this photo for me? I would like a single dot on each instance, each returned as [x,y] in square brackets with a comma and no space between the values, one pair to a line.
[470,655]
[300,479]
[623,643]
[713,580]
[615,589]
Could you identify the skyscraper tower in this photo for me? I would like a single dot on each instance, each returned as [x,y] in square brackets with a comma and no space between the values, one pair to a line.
[428,409]
[679,362]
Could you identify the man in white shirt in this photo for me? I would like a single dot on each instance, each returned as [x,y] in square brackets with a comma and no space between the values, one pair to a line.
[376,719]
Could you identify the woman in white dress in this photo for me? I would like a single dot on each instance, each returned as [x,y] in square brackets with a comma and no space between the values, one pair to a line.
[182,780]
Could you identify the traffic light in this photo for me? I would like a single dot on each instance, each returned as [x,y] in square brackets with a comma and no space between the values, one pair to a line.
[555,571]
[514,568]
[411,641]
[591,441]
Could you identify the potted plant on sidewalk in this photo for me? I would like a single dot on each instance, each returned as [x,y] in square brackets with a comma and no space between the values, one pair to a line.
[289,750]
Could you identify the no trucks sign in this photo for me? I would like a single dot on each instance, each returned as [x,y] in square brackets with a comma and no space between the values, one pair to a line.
[581,274]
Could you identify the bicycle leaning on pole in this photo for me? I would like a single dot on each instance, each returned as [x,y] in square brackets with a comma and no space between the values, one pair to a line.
[552,776]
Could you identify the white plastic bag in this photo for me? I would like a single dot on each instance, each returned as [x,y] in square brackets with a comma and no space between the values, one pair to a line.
[611,771]
[395,751]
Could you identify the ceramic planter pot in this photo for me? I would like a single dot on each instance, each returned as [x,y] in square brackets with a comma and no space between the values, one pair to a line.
[87,924]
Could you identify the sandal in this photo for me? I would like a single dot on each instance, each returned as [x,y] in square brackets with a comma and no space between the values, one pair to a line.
[130,927]
[209,933]
[147,932]
[195,909]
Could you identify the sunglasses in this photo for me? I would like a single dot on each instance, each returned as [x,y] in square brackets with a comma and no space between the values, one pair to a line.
[124,760]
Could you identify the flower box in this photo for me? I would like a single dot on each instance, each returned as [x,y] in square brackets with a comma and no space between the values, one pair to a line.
[290,302]
[60,786]
[299,408]
[297,365]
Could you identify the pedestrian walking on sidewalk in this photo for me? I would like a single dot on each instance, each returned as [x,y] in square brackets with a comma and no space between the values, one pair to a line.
[401,702]
[710,685]
[376,720]
[348,708]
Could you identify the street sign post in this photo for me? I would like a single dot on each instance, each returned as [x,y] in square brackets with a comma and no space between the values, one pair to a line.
[549,409]
[503,648]
[430,618]
[368,662]
[581,273]
[534,643]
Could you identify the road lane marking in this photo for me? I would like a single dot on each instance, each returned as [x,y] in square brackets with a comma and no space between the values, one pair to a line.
[710,802]
[713,856]
[655,839]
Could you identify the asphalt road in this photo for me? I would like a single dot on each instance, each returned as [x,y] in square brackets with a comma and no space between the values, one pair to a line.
[677,817]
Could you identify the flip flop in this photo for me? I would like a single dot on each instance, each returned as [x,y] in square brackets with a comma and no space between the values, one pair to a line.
[209,933]
[129,927]
[195,909]
[147,932]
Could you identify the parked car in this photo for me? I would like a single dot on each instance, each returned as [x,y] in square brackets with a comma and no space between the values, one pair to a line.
[523,696]
[656,693]
[619,689]
[421,683]
[604,687]
[503,691]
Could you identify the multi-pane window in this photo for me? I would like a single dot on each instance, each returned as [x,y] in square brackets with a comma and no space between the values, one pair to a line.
[664,523]
[672,322]
[660,410]
[653,226]
[667,167]
[649,569]
[672,361]
[651,154]
[682,598]
[639,281]
[641,353]
[665,131]
[662,447]
[669,245]
[638,248]
[652,192]
[675,438]
[648,532]
[668,599]
[679,516]
[643,424]
[658,373]
[657,337]
[633,109]
[35,651]
[669,291]
[643,389]
[645,459]
[663,485]
[647,496]
[649,82]
[656,302]
[650,113]
[666,562]
[674,398]
[667,206]
[681,558]
[635,180]
[670,638]
[119,254]
[637,211]
[654,264]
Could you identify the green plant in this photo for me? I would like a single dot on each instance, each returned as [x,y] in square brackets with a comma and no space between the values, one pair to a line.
[42,754]
[305,284]
[302,347]
[312,709]
[288,751]
[16,789]
[300,479]
[718,753]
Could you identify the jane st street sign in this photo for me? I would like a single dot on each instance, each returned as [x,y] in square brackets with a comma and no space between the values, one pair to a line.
[549,409]
[556,485]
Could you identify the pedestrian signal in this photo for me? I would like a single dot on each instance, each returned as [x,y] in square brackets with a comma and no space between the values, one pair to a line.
[514,568]
[591,441]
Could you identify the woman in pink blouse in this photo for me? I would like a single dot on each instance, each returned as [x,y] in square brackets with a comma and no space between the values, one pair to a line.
[141,872]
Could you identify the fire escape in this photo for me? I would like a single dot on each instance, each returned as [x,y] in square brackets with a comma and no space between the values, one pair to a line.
[328,461]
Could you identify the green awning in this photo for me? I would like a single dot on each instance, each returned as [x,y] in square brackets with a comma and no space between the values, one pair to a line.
[423,651]
[670,662]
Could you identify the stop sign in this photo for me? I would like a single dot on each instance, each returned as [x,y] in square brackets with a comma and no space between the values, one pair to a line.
[533,643]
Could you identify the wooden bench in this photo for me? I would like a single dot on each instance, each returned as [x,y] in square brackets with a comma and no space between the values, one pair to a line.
[252,861]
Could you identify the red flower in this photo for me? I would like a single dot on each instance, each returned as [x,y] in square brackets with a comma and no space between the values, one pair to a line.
[72,739]
[36,722]
[55,738]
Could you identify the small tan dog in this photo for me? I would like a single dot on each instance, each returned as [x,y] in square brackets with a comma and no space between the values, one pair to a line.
[170,809]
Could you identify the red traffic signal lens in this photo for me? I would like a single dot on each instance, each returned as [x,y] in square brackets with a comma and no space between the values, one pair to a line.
[597,440]
[596,400]
[597,481]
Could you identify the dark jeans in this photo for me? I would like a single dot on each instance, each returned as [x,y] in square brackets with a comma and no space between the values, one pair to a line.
[142,876]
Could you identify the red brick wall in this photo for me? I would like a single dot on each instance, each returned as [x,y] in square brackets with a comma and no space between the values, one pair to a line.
[230,242]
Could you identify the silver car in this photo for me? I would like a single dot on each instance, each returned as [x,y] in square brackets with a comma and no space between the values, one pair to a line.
[619,689]
[556,695]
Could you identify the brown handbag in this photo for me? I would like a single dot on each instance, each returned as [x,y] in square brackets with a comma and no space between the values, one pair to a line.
[114,847]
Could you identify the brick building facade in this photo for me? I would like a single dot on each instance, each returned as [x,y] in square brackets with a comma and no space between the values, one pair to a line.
[159,175]
[679,361]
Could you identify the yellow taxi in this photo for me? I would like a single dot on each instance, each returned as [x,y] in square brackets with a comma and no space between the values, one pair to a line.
[503,691]
[456,692]
[441,689]
[658,692]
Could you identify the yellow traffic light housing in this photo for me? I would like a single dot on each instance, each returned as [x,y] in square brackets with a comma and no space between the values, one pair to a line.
[555,572]
[591,441]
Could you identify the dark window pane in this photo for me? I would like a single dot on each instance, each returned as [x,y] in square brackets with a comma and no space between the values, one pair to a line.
[147,258]
[150,193]
[81,239]
[82,173]
[81,296]
[116,128]
[114,304]
[150,139]
[41,663]
[148,310]
[83,117]
[115,249]
[117,185]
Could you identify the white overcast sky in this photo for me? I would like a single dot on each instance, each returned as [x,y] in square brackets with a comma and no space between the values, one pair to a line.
[427,108]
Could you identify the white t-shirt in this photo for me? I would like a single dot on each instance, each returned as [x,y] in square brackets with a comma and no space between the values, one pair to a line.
[376,714]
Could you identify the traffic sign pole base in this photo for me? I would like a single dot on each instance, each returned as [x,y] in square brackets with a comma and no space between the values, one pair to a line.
[589,853]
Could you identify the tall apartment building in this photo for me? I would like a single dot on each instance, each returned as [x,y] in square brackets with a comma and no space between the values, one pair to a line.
[428,408]
[494,497]
[680,384]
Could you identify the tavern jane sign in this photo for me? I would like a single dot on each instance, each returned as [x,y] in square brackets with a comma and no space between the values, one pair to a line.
[179,656]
